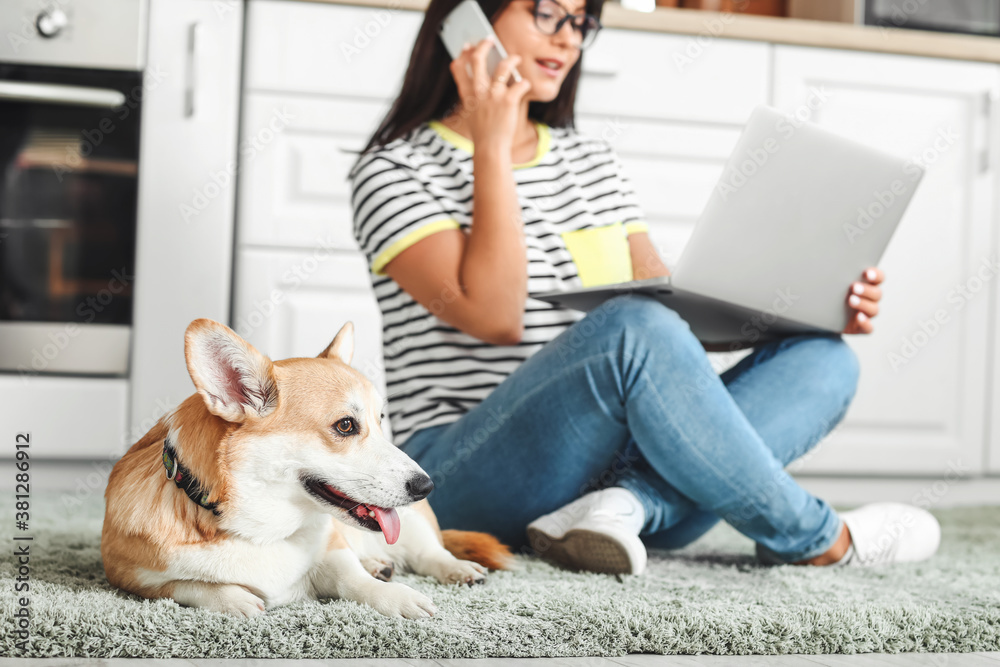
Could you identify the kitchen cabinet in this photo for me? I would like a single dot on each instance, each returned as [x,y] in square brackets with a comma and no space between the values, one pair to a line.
[299,272]
[186,194]
[67,417]
[674,127]
[921,404]
[294,191]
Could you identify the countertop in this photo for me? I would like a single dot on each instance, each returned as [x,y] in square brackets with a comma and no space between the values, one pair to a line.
[772,29]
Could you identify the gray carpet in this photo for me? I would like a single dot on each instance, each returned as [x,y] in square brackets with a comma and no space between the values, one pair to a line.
[710,597]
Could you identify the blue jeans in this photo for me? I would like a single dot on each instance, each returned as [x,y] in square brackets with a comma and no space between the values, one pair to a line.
[626,396]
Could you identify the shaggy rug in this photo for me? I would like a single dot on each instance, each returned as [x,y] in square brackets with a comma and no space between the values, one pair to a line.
[711,597]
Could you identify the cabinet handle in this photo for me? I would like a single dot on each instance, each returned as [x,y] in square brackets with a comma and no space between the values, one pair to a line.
[990,99]
[600,68]
[191,68]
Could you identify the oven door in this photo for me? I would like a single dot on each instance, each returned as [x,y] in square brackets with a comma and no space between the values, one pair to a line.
[69,148]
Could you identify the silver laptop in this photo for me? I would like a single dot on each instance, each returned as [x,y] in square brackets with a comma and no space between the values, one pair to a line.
[798,214]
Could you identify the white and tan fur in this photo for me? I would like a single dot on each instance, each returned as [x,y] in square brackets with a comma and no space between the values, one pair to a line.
[249,434]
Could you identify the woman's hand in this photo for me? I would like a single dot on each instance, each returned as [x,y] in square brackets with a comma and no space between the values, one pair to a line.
[863,298]
[489,106]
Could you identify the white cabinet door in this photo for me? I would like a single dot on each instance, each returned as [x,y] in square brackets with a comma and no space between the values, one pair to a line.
[293,189]
[920,406]
[292,303]
[187,179]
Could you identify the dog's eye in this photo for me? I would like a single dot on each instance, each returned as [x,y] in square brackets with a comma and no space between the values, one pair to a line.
[345,426]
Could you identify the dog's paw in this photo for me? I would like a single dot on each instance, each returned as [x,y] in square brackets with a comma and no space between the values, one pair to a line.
[392,599]
[235,600]
[378,568]
[460,572]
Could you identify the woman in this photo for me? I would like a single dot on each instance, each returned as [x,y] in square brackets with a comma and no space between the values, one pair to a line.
[593,436]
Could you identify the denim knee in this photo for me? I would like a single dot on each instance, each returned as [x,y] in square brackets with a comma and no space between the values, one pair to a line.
[644,314]
[640,323]
[837,365]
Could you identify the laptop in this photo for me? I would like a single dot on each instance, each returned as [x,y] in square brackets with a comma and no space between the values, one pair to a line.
[797,215]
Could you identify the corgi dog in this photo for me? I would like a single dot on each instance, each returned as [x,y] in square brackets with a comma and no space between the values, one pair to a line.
[274,483]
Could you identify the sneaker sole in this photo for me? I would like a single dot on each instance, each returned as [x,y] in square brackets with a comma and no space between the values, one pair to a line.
[583,550]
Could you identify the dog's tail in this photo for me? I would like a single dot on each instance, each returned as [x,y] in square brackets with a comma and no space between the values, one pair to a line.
[482,548]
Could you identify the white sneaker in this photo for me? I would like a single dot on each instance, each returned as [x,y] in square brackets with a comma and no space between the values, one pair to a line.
[881,534]
[598,532]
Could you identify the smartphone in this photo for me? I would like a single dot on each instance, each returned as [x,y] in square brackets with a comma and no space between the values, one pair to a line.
[468,23]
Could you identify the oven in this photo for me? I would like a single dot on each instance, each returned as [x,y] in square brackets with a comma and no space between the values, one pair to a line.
[71,82]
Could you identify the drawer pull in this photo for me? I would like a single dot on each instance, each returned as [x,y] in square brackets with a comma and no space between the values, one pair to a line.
[600,68]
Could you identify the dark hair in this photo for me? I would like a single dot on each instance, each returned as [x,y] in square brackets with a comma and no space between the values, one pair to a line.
[429,91]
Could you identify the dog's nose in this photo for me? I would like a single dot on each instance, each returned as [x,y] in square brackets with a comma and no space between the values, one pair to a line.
[419,486]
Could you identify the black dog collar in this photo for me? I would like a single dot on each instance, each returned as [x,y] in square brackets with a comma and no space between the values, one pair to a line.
[184,479]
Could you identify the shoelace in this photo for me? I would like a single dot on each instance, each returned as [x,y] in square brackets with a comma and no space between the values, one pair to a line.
[879,553]
[612,513]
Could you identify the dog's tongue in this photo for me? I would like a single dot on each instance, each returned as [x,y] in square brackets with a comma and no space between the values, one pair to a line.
[388,521]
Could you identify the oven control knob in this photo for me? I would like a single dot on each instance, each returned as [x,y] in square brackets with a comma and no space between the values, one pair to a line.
[51,22]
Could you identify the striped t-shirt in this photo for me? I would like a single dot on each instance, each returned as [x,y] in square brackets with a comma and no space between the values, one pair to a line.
[577,206]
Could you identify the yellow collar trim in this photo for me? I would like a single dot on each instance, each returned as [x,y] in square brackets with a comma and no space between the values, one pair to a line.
[462,143]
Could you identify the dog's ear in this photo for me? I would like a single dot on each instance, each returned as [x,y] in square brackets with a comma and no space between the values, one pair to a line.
[342,346]
[233,378]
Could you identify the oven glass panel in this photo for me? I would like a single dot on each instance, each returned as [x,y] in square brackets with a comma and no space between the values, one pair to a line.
[68,183]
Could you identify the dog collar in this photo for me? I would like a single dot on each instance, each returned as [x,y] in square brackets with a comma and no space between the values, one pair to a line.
[184,479]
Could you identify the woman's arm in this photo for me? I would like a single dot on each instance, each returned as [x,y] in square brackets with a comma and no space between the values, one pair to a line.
[478,283]
[646,262]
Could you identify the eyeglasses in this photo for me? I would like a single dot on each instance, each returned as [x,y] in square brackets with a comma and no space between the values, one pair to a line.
[550,17]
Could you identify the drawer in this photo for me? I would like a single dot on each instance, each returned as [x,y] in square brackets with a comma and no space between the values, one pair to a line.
[68,417]
[293,187]
[325,48]
[674,77]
